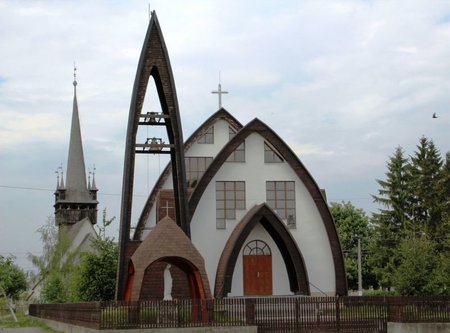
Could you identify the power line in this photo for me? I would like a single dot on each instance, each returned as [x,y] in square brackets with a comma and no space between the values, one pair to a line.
[50,190]
[26,188]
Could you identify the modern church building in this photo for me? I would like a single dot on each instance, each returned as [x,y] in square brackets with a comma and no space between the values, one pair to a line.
[235,213]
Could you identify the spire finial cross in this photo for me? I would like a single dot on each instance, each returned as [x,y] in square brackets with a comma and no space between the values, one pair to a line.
[219,92]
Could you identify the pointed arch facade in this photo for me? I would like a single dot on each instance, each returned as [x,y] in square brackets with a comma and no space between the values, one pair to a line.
[257,126]
[295,265]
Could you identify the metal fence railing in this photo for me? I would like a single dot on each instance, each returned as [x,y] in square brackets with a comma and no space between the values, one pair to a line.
[81,314]
[270,314]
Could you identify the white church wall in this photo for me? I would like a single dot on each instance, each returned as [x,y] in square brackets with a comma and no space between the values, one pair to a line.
[151,222]
[205,237]
[221,138]
[168,184]
[309,234]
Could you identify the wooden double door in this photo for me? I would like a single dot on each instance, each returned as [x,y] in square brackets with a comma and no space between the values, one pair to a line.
[257,264]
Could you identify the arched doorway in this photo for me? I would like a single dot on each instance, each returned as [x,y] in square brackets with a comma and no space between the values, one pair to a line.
[275,227]
[257,262]
[186,279]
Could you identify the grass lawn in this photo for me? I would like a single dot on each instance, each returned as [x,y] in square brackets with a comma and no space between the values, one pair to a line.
[7,321]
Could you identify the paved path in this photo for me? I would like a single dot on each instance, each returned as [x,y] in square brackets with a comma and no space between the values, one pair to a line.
[22,330]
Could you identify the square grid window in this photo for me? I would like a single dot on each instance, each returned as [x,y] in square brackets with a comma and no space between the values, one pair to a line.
[280,197]
[208,136]
[239,154]
[195,168]
[270,155]
[230,196]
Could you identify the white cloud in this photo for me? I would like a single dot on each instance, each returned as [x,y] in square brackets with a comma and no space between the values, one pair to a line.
[310,149]
[22,132]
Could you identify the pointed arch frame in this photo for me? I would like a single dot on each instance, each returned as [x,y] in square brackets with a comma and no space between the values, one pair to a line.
[292,257]
[153,62]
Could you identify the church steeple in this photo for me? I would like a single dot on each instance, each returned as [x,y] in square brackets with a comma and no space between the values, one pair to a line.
[75,201]
[76,171]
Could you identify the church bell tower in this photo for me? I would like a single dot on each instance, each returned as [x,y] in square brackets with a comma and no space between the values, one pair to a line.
[76,199]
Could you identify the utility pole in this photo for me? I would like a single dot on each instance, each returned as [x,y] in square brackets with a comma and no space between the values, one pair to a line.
[360,289]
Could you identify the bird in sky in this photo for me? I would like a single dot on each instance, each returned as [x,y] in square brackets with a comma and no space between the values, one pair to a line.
[434,115]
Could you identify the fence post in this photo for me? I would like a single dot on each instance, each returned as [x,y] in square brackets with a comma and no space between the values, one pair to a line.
[250,311]
[206,309]
[393,309]
[338,314]
[98,314]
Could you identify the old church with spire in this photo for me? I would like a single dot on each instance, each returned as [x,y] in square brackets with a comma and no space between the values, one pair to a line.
[76,199]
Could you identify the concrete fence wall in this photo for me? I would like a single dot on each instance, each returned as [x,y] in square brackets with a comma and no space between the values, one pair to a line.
[68,328]
[418,327]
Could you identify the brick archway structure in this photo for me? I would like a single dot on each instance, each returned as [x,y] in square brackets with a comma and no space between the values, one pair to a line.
[168,243]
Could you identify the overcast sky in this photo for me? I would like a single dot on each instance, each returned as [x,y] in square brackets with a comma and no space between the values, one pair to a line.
[342,82]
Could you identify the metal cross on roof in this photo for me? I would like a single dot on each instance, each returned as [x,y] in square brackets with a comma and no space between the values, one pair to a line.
[219,91]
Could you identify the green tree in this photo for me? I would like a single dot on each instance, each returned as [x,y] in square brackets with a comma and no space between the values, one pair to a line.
[353,224]
[12,278]
[426,189]
[391,223]
[414,275]
[443,192]
[393,194]
[96,277]
[56,264]
[441,278]
[415,214]
[97,272]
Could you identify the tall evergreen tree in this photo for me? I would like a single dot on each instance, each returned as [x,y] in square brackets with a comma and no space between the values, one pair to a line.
[444,194]
[391,222]
[425,187]
[410,231]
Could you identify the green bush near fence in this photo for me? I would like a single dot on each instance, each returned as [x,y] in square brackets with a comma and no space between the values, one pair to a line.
[221,316]
[112,317]
[184,314]
[379,292]
[149,315]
